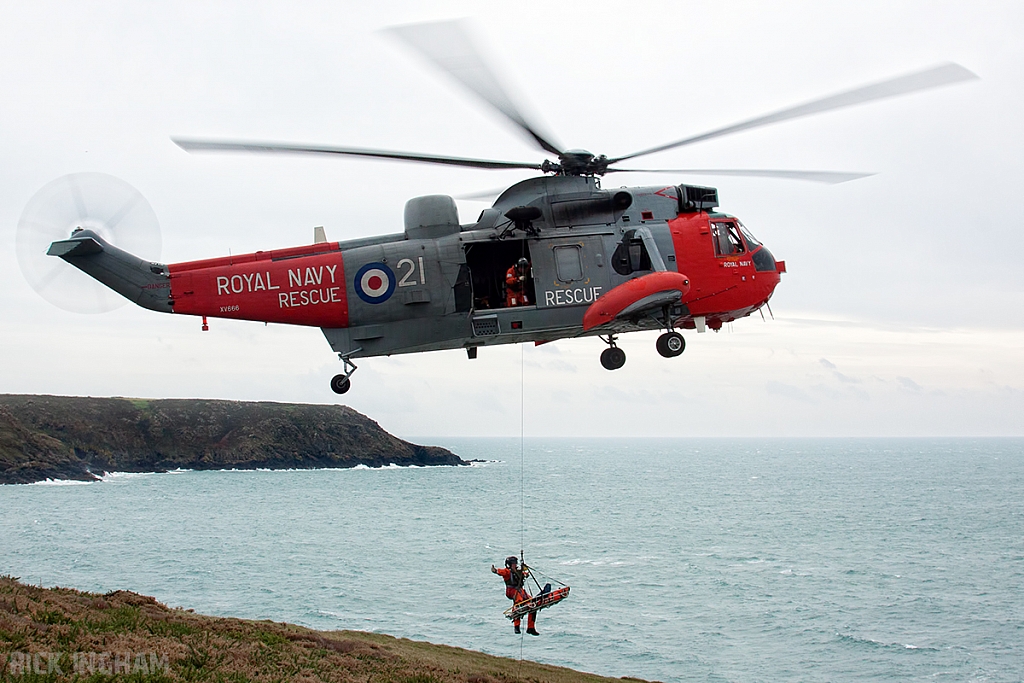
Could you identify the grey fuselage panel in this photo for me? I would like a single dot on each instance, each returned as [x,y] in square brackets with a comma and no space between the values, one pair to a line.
[569,248]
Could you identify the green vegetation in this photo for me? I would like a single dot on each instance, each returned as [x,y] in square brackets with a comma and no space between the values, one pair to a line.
[60,634]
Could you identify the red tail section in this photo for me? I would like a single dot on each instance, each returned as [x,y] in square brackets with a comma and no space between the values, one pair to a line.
[300,286]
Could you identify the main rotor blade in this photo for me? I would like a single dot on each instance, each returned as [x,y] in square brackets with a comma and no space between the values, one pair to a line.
[935,77]
[827,177]
[483,195]
[194,145]
[447,45]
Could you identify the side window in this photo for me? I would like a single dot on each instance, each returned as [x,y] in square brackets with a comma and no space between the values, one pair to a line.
[630,255]
[751,240]
[568,262]
[727,239]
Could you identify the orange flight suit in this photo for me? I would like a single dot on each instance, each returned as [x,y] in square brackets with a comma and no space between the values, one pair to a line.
[517,594]
[515,287]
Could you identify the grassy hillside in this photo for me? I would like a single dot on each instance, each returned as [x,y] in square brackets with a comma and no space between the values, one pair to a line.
[67,437]
[61,634]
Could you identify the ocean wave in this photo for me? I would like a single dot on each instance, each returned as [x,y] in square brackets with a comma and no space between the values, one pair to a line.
[106,477]
[110,477]
[61,482]
[595,563]
[360,466]
[871,642]
[796,572]
[328,613]
[119,477]
[389,466]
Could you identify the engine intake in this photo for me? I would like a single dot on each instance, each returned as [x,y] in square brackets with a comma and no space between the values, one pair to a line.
[697,198]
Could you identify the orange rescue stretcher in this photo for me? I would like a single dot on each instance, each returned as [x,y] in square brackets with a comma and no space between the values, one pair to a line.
[537,602]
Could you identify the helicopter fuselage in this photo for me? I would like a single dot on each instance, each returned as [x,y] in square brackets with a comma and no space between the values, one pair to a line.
[443,285]
[440,286]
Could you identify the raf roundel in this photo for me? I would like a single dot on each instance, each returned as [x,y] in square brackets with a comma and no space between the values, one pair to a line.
[375,283]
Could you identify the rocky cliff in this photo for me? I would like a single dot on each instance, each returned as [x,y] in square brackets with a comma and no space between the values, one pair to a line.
[66,437]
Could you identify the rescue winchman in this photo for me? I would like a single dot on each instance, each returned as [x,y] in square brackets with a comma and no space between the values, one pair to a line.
[515,589]
[515,284]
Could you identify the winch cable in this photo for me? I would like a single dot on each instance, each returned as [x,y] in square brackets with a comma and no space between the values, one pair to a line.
[522,489]
[522,479]
[522,453]
[534,573]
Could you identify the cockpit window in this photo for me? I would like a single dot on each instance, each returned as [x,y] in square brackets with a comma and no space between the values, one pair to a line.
[727,239]
[751,240]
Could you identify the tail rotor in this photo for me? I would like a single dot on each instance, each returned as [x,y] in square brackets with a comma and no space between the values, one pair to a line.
[108,206]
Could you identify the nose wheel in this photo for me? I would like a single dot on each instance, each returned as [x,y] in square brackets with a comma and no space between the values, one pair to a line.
[340,384]
[670,344]
[613,357]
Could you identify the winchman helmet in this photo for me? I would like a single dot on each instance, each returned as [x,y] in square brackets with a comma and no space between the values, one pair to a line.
[522,263]
[511,561]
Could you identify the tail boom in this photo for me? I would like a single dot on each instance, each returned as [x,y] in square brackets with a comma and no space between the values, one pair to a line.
[142,282]
[299,286]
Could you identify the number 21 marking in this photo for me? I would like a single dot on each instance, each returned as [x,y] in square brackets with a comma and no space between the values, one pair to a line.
[406,281]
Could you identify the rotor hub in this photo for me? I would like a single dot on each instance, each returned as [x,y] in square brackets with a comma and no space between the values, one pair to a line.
[577,162]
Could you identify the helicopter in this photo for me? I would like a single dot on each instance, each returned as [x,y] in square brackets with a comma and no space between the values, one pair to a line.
[556,256]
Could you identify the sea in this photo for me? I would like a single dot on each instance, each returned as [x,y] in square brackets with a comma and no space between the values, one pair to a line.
[688,559]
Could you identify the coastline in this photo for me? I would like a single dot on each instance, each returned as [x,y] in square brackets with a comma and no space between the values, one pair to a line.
[83,438]
[107,477]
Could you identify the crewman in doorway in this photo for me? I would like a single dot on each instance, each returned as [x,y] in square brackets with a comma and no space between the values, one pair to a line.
[515,284]
[515,589]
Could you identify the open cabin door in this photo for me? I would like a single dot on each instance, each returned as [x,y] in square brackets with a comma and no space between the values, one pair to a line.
[481,285]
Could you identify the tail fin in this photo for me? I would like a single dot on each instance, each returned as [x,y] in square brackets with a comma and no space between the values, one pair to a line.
[142,282]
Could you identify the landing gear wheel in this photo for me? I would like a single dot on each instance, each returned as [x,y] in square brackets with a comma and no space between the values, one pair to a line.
[340,384]
[671,344]
[613,358]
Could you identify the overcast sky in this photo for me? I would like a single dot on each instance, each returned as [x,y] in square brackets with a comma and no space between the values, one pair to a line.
[902,312]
